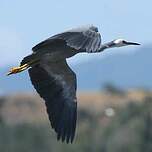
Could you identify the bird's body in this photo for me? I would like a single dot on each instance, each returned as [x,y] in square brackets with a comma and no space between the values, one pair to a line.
[53,78]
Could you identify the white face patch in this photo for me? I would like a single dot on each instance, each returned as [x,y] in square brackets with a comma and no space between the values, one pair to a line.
[119,42]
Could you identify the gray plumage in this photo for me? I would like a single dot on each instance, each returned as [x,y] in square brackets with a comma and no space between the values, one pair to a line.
[56,84]
[85,39]
[55,81]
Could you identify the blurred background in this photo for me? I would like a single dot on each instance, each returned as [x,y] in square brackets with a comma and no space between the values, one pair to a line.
[114,87]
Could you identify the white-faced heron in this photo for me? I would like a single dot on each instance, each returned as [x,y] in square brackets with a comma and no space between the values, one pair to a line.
[54,80]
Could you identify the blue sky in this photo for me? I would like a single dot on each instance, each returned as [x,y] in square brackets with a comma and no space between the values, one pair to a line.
[25,23]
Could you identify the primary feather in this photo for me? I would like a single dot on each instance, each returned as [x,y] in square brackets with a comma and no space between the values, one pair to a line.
[56,84]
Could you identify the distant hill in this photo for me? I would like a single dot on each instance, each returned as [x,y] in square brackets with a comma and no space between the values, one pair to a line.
[124,71]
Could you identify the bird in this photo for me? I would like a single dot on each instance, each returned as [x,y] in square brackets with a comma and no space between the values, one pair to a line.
[55,81]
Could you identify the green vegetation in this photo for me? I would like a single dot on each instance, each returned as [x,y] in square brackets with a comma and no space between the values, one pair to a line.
[128,130]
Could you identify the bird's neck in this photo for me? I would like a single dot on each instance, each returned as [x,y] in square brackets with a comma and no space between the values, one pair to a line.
[106,46]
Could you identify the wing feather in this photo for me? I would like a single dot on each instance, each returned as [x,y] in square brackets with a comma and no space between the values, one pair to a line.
[83,39]
[56,84]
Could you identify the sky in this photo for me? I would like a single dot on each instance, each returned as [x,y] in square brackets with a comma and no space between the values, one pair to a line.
[23,24]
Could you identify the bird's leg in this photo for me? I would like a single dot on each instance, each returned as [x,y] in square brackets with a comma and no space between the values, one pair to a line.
[21,68]
[18,69]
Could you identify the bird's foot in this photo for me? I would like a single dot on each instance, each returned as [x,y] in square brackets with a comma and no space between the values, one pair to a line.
[18,69]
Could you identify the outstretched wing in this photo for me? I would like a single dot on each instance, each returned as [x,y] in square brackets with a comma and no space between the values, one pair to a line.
[85,39]
[56,84]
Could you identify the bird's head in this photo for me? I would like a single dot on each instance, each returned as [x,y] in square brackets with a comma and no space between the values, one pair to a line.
[122,42]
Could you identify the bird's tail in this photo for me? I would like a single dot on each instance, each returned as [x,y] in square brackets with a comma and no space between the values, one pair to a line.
[27,62]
